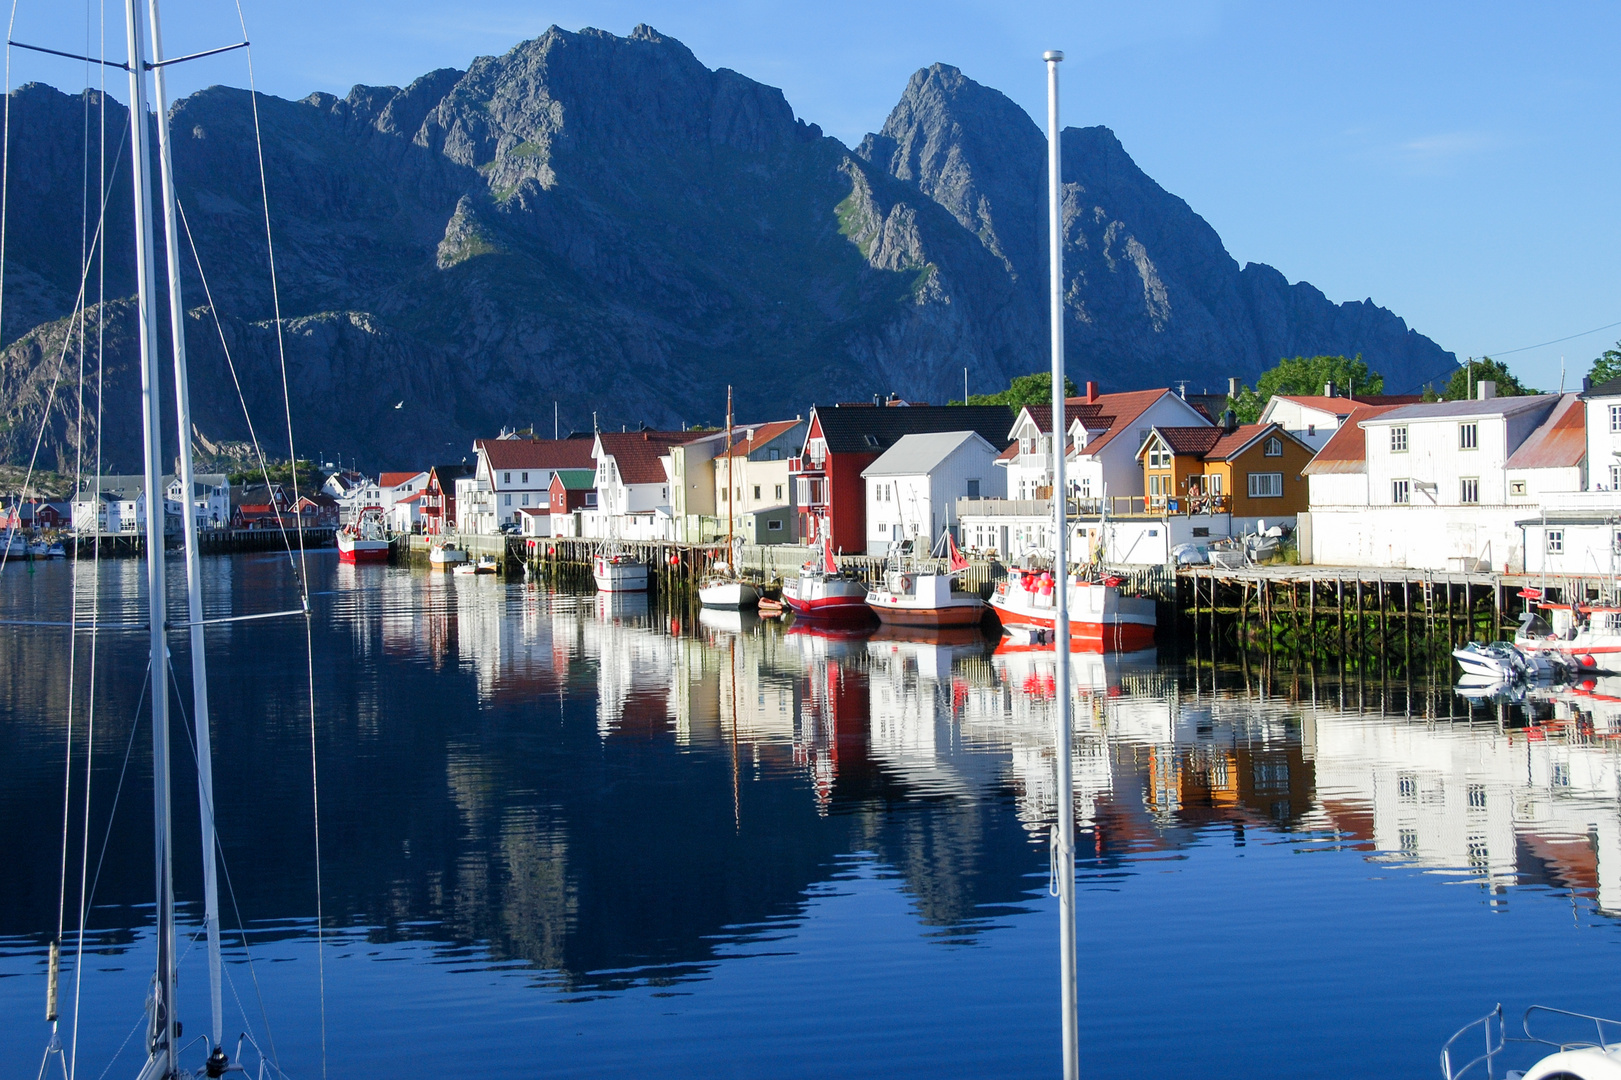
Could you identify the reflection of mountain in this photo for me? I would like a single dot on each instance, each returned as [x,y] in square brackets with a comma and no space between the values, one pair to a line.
[564,783]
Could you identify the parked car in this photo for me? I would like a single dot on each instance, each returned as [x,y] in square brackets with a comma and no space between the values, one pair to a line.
[509,528]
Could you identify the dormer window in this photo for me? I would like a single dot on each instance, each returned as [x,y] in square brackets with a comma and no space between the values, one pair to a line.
[1274,447]
[871,440]
[1159,456]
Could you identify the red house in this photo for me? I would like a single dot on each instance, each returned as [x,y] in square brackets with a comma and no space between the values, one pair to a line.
[438,504]
[844,439]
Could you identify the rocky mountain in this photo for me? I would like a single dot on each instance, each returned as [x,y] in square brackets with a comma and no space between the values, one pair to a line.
[605,223]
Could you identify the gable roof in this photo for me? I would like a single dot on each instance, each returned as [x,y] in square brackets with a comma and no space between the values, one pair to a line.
[1185,441]
[1559,442]
[915,455]
[763,434]
[870,429]
[1457,410]
[507,454]
[575,479]
[1214,444]
[395,479]
[1347,449]
[1607,388]
[445,474]
[637,453]
[1343,406]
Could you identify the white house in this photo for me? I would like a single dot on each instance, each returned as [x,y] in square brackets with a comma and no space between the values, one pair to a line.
[633,485]
[514,474]
[1314,418]
[211,494]
[108,505]
[1444,485]
[913,487]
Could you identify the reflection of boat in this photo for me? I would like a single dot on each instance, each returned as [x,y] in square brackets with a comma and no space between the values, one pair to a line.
[614,571]
[1099,617]
[1500,661]
[485,565]
[730,620]
[930,635]
[824,591]
[364,539]
[621,605]
[446,553]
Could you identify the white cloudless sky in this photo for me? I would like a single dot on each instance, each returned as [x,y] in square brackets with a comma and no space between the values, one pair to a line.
[1457,163]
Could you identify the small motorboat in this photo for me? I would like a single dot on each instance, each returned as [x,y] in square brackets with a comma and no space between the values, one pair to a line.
[484,565]
[446,554]
[1497,662]
[769,608]
[723,589]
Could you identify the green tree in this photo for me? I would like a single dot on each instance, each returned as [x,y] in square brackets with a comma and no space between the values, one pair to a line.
[1033,389]
[1305,375]
[1465,382]
[1607,367]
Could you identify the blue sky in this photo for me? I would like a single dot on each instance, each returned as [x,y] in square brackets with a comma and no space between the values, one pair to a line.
[1457,163]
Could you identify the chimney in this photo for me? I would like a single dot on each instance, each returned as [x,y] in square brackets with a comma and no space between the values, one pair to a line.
[1328,390]
[1587,384]
[1229,421]
[1091,392]
[1485,390]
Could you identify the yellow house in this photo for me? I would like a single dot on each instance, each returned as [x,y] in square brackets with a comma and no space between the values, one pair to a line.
[1250,470]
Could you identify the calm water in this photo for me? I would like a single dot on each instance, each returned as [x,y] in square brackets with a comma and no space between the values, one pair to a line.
[567,836]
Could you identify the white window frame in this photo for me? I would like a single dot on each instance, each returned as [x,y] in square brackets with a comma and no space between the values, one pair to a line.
[1469,490]
[1274,447]
[1398,439]
[1615,419]
[1555,541]
[1516,489]
[1615,477]
[1469,436]
[1401,492]
[1272,482]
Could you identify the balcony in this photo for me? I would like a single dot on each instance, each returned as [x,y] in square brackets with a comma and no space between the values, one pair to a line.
[806,465]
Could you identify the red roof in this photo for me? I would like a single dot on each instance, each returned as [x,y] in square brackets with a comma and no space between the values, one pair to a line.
[1559,442]
[637,453]
[1342,406]
[763,434]
[409,499]
[395,479]
[1347,449]
[506,454]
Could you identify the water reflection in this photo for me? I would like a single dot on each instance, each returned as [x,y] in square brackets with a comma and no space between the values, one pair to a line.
[616,795]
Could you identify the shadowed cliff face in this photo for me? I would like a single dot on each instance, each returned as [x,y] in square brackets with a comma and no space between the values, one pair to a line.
[605,222]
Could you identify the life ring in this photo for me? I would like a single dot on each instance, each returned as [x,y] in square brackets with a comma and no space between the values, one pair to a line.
[906,583]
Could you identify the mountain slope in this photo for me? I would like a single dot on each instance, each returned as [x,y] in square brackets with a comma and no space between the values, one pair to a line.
[607,223]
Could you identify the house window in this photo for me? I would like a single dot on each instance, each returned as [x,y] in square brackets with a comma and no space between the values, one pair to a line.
[973,489]
[506,478]
[508,499]
[756,491]
[1398,440]
[1615,418]
[725,494]
[1311,429]
[871,440]
[1615,542]
[1159,457]
[590,498]
[526,498]
[773,526]
[664,492]
[1615,477]
[1266,485]
[1556,541]
[1401,491]
[773,455]
[1469,490]
[1086,487]
[1274,447]
[1468,436]
[1516,487]
[778,496]
[526,478]
[1213,483]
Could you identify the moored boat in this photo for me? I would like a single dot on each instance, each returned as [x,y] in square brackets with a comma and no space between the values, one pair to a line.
[614,571]
[1099,617]
[725,591]
[916,597]
[364,540]
[1588,636]
[1594,1053]
[484,565]
[824,591]
[446,553]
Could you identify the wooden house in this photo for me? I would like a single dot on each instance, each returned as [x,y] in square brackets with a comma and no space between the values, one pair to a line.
[1248,470]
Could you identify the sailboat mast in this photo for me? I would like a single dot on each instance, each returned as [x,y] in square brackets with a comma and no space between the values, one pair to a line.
[161,1039]
[188,513]
[1064,843]
[731,488]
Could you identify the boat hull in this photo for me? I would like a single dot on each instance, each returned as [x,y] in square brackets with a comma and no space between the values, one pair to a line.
[1099,618]
[901,614]
[729,594]
[1121,635]
[820,598]
[352,550]
[622,576]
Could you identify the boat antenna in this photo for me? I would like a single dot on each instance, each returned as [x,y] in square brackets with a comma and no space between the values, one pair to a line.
[1063,838]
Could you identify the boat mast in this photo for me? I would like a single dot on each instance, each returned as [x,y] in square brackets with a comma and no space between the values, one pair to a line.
[188,513]
[161,1031]
[731,488]
[1063,853]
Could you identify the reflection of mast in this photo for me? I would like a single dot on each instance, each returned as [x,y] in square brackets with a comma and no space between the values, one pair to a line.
[737,807]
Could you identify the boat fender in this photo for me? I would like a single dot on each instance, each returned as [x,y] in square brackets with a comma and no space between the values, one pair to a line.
[906,583]
[675,560]
[1585,660]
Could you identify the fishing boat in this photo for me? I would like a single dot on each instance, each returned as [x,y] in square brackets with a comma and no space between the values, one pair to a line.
[1100,618]
[616,571]
[1589,635]
[43,549]
[824,591]
[365,539]
[723,587]
[445,554]
[913,596]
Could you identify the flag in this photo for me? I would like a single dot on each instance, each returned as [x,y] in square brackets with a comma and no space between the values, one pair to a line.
[955,563]
[828,564]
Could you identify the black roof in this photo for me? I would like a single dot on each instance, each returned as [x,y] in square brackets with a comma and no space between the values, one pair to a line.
[872,429]
[451,472]
[1608,388]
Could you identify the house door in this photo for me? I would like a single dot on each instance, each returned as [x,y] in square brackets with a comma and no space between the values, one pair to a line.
[1002,547]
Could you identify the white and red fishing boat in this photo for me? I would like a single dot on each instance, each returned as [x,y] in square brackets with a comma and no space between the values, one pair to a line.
[617,571]
[913,596]
[1588,634]
[1099,617]
[824,591]
[364,540]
